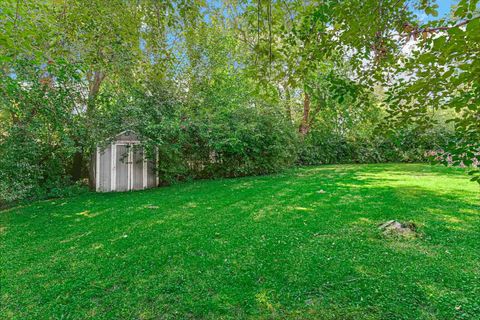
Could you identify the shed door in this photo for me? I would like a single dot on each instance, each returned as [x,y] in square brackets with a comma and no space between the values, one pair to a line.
[137,168]
[130,168]
[122,168]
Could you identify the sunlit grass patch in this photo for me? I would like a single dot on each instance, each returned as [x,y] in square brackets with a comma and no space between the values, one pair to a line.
[256,247]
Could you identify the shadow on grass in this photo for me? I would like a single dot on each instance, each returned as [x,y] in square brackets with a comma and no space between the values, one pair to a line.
[254,247]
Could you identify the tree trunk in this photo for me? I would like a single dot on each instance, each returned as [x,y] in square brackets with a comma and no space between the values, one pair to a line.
[91,173]
[77,166]
[288,106]
[305,125]
[95,79]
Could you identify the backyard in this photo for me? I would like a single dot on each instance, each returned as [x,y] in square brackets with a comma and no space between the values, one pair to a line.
[246,159]
[302,244]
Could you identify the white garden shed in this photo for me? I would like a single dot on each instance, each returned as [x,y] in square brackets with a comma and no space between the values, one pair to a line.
[121,165]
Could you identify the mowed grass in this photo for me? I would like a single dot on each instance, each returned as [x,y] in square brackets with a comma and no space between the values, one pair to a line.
[270,247]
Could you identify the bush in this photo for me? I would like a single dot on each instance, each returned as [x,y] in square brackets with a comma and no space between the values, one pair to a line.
[38,130]
[220,130]
[241,141]
[408,145]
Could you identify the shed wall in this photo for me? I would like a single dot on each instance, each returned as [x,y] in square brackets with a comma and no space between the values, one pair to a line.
[151,175]
[130,170]
[105,169]
[127,137]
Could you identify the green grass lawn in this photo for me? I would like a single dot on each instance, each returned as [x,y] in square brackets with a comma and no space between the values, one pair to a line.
[262,247]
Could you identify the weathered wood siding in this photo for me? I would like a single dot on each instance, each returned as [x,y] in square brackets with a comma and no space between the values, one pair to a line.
[121,170]
[137,169]
[104,176]
[152,180]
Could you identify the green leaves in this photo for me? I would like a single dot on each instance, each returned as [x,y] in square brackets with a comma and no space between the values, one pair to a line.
[475,175]
[443,77]
[42,128]
[230,77]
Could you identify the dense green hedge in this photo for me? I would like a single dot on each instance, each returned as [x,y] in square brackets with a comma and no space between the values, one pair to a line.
[408,145]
